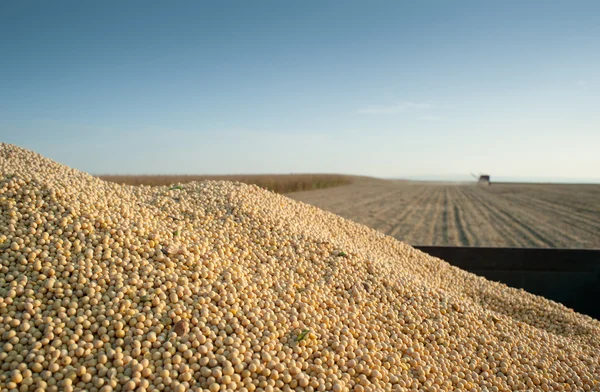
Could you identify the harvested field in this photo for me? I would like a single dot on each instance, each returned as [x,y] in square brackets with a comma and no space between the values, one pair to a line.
[504,215]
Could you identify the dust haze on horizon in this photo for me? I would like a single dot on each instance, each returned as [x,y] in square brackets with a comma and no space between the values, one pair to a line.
[424,91]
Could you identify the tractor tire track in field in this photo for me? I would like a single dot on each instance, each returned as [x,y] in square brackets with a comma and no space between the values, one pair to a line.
[568,214]
[552,220]
[463,238]
[505,233]
[470,217]
[446,218]
[511,230]
[415,230]
[370,201]
[399,210]
[381,216]
[565,226]
[488,233]
[462,234]
[438,231]
[399,221]
[586,200]
[373,200]
[387,199]
[508,219]
[403,224]
[352,197]
[545,223]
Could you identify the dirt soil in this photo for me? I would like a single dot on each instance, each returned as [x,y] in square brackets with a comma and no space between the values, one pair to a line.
[515,215]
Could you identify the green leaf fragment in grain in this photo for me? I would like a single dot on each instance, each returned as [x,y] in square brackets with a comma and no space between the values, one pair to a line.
[302,335]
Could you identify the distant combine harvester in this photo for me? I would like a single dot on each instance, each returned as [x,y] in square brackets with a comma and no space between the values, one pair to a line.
[483,179]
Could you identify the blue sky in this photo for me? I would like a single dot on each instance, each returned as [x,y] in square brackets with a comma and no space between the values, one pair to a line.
[382,88]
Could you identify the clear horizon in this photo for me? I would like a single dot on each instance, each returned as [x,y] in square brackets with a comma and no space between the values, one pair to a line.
[507,179]
[384,89]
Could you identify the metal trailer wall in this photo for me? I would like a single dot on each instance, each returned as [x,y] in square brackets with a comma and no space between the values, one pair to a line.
[568,276]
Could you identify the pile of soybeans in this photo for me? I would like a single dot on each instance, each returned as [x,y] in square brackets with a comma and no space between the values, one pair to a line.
[220,286]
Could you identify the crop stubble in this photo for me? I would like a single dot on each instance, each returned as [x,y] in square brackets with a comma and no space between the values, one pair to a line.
[514,215]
